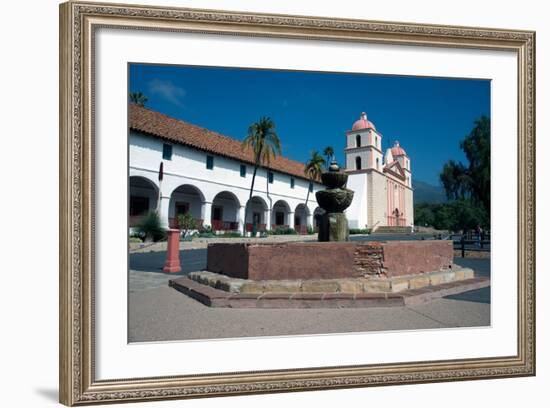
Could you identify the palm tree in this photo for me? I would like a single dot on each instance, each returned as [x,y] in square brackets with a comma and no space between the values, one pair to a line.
[329,154]
[265,144]
[138,98]
[313,168]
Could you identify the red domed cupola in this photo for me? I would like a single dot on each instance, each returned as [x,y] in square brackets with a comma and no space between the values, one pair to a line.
[397,150]
[363,123]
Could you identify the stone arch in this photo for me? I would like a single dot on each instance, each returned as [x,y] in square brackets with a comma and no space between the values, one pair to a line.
[143,195]
[225,212]
[186,198]
[301,218]
[280,214]
[257,214]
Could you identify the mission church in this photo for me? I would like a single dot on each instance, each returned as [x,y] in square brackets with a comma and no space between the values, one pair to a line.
[176,167]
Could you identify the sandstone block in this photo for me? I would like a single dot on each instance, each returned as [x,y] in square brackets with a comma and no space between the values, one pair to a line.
[319,286]
[419,282]
[283,286]
[464,273]
[350,286]
[376,285]
[252,287]
[440,278]
[398,285]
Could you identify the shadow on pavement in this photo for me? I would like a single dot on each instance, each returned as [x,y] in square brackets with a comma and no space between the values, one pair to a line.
[482,295]
[190,260]
[481,267]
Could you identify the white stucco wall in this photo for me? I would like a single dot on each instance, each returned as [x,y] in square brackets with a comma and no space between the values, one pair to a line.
[409,206]
[377,199]
[357,211]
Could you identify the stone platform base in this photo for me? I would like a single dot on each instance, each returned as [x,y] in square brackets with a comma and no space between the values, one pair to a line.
[339,285]
[220,298]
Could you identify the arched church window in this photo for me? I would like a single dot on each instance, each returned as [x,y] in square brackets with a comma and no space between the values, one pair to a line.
[358,141]
[358,163]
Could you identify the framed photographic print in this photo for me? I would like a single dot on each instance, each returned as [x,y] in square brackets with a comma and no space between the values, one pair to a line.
[256,203]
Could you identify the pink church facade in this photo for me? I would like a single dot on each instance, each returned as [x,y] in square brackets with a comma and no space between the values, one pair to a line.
[382,181]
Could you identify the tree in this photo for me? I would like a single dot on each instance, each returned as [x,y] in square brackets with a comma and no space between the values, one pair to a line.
[262,139]
[458,215]
[472,182]
[313,169]
[186,223]
[138,98]
[477,147]
[329,154]
[424,214]
[455,180]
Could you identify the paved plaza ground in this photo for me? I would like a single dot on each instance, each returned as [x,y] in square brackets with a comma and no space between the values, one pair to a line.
[160,313]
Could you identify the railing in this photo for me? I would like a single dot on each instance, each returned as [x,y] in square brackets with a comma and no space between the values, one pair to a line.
[471,241]
[275,226]
[259,227]
[173,223]
[218,225]
[301,229]
[397,221]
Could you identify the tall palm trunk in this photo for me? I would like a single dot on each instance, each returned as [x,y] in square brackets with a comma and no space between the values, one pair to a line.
[256,165]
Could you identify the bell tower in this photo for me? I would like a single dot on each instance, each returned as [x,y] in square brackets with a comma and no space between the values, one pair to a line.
[363,146]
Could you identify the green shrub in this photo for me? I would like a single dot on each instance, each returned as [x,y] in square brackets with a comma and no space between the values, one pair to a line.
[150,228]
[186,223]
[310,230]
[282,231]
[135,240]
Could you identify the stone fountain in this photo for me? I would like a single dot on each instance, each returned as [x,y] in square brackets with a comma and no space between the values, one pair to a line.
[334,200]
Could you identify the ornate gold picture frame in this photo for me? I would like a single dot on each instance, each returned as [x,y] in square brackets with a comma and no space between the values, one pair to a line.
[78,25]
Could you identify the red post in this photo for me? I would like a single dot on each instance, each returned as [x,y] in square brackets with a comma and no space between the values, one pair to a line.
[172,264]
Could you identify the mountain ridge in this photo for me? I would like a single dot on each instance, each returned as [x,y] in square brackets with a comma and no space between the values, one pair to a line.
[428,193]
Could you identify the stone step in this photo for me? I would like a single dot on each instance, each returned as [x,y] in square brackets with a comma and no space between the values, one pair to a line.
[219,298]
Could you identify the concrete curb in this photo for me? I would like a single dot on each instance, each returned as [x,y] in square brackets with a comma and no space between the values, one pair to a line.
[218,298]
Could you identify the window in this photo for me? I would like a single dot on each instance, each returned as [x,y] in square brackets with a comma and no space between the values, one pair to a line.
[279,218]
[358,141]
[270,177]
[243,170]
[209,162]
[167,151]
[311,187]
[377,163]
[358,163]
[292,182]
[376,141]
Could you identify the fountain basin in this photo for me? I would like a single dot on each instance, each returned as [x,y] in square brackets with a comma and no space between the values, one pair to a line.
[328,260]
[334,200]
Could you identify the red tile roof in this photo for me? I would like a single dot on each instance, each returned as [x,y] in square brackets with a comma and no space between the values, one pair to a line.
[174,130]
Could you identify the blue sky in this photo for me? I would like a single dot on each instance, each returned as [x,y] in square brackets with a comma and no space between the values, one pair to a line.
[428,116]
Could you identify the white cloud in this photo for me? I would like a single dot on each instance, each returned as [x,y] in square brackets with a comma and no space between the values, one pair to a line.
[167,90]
